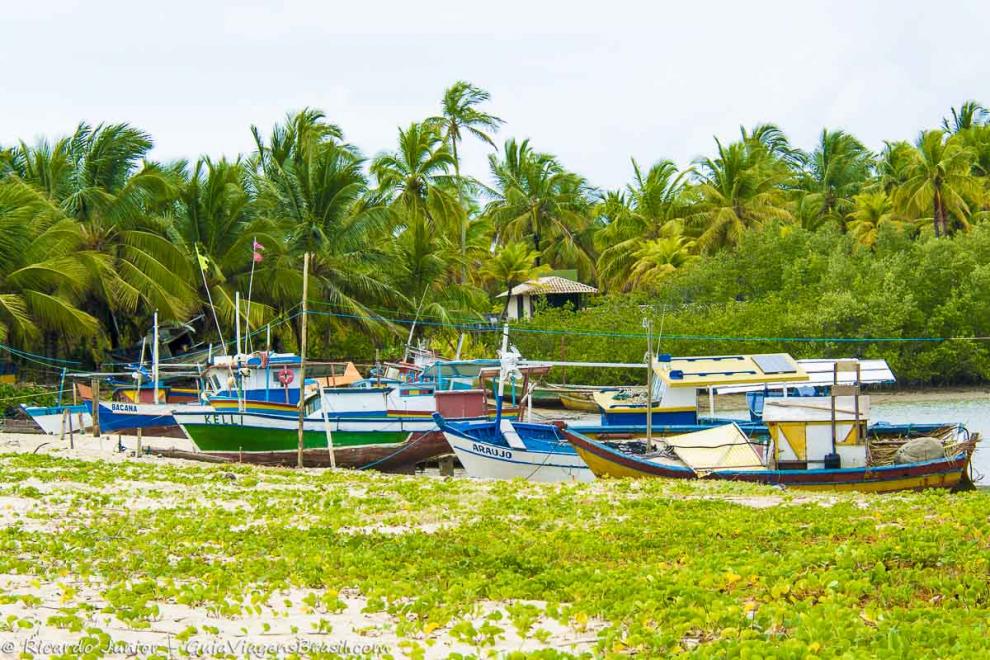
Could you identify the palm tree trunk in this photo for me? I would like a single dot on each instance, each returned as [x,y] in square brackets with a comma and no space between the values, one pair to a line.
[936,211]
[460,203]
[508,299]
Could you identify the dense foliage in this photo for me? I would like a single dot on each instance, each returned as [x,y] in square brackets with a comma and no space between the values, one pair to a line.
[95,236]
[786,284]
[111,551]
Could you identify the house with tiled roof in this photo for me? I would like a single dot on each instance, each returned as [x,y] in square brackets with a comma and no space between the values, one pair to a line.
[556,289]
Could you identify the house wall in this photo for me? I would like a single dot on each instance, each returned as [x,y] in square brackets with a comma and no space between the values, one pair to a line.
[520,307]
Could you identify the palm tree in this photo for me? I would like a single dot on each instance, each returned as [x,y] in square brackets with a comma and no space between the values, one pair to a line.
[871,212]
[970,114]
[660,258]
[40,282]
[650,205]
[312,188]
[741,188]
[215,218]
[536,199]
[833,173]
[513,264]
[415,171]
[894,166]
[428,218]
[97,179]
[460,114]
[941,179]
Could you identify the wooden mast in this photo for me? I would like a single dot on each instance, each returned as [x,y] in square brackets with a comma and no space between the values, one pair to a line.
[302,361]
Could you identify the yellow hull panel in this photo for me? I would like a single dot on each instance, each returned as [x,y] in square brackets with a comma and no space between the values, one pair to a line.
[576,403]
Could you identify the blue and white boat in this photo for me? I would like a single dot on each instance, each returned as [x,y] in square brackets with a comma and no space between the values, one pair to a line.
[49,418]
[505,449]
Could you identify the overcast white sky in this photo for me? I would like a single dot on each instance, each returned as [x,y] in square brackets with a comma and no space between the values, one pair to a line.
[593,82]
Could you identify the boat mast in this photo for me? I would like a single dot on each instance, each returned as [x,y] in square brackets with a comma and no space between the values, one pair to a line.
[302,361]
[648,324]
[237,320]
[502,375]
[154,359]
[144,342]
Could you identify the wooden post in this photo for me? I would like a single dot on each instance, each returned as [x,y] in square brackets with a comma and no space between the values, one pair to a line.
[138,449]
[65,416]
[302,361]
[329,434]
[649,383]
[95,386]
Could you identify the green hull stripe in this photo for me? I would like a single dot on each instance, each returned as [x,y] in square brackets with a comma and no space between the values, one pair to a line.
[218,437]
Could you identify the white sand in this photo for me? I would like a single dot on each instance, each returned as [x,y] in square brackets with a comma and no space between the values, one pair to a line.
[285,622]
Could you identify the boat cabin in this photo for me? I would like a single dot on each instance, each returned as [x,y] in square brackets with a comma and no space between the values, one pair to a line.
[674,399]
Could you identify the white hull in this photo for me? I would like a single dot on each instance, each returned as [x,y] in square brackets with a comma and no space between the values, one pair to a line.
[52,423]
[484,461]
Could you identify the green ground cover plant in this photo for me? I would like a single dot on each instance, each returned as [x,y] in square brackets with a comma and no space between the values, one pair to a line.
[656,567]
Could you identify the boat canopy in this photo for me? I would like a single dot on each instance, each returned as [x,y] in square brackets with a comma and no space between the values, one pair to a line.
[821,373]
[708,371]
[718,448]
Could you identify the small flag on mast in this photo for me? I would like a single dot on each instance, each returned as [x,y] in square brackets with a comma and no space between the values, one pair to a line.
[204,262]
[258,249]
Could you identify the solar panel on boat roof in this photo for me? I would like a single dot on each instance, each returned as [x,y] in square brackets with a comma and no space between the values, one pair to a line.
[778,363]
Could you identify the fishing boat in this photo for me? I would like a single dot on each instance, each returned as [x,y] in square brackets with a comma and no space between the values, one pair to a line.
[673,460]
[674,396]
[818,443]
[50,419]
[514,450]
[273,439]
[504,449]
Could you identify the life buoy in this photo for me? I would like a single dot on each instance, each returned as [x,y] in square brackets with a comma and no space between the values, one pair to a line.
[285,376]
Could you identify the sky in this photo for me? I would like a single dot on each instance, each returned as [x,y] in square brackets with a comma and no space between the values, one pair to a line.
[595,83]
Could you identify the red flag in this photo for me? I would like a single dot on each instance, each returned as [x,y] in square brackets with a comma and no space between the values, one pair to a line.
[258,246]
[257,257]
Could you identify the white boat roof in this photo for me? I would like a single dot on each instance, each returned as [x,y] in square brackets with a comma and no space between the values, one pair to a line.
[820,372]
[726,370]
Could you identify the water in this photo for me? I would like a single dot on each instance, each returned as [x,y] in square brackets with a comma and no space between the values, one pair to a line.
[970,409]
[973,412]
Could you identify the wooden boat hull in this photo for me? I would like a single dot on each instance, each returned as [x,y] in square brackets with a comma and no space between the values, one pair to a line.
[395,458]
[949,472]
[579,402]
[392,445]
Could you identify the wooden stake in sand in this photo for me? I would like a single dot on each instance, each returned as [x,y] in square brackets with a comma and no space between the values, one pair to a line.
[95,386]
[302,361]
